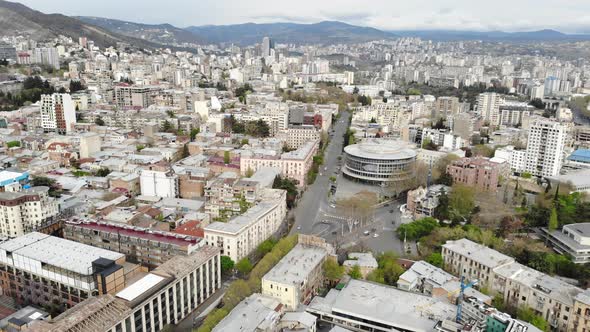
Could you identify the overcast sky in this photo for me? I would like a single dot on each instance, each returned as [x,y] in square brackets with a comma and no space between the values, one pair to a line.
[508,15]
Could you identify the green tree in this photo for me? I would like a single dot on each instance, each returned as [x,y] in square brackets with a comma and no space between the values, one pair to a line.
[553,221]
[244,266]
[102,172]
[226,157]
[528,315]
[170,114]
[227,264]
[166,126]
[435,259]
[99,121]
[355,272]
[13,144]
[194,132]
[417,229]
[461,202]
[332,270]
[265,247]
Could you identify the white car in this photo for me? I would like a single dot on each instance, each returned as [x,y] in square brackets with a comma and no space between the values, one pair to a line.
[375,235]
[298,227]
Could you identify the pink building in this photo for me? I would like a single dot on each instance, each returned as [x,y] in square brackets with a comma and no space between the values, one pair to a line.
[295,164]
[479,172]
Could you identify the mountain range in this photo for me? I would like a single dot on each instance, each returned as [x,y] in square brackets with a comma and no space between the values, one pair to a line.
[16,18]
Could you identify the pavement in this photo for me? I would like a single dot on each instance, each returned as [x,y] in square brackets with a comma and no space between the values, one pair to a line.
[315,214]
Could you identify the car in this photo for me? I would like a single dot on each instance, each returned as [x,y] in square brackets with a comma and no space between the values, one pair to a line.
[334,233]
[386,205]
[375,235]
[373,230]
[367,233]
[298,227]
[391,211]
[333,206]
[325,168]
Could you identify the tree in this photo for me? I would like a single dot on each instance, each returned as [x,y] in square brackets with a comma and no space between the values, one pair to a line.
[417,229]
[355,272]
[553,221]
[194,132]
[528,315]
[227,264]
[13,144]
[537,103]
[265,247]
[166,126]
[483,151]
[435,259]
[99,121]
[244,266]
[102,172]
[461,202]
[76,86]
[332,270]
[226,157]
[170,114]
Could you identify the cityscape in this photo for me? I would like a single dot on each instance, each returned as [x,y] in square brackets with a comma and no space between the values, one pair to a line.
[180,167]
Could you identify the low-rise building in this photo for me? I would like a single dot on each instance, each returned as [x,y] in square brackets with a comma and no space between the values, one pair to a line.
[297,277]
[364,260]
[479,172]
[422,202]
[257,313]
[238,237]
[572,240]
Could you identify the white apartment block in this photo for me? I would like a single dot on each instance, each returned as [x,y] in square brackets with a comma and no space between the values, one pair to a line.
[25,211]
[295,136]
[545,147]
[295,164]
[159,183]
[488,106]
[515,158]
[58,113]
[241,235]
[164,296]
[297,276]
[553,299]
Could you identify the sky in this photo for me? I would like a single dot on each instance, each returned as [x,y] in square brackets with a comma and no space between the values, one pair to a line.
[571,16]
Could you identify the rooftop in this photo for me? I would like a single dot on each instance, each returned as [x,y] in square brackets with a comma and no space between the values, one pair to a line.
[238,223]
[382,149]
[385,305]
[138,232]
[479,253]
[294,268]
[65,254]
[257,312]
[580,155]
[141,286]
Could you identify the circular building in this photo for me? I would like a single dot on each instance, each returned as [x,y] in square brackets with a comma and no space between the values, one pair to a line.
[380,162]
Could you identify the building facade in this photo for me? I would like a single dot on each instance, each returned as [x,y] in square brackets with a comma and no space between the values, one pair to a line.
[57,113]
[25,211]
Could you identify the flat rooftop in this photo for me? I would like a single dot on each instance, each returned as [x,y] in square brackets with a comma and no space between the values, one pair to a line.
[382,149]
[237,224]
[479,253]
[140,287]
[385,305]
[255,313]
[294,268]
[65,254]
[139,232]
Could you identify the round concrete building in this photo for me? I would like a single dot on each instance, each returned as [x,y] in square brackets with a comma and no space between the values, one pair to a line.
[380,161]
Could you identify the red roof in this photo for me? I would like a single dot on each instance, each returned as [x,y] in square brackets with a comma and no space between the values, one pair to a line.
[192,228]
[143,233]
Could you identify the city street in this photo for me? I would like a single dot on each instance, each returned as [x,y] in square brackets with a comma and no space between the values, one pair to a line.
[316,215]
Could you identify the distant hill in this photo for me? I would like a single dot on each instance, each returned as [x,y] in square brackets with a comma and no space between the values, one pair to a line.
[16,18]
[158,33]
[327,32]
[525,36]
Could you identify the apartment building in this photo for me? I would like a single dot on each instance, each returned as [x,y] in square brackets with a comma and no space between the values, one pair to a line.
[158,183]
[25,211]
[147,247]
[238,237]
[295,136]
[45,270]
[58,113]
[552,298]
[127,96]
[295,164]
[488,106]
[297,277]
[482,173]
[446,106]
[545,147]
[164,296]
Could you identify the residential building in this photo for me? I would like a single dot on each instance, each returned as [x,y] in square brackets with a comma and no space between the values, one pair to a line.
[488,106]
[298,276]
[422,202]
[127,96]
[57,113]
[364,260]
[48,56]
[257,313]
[140,245]
[296,136]
[241,235]
[295,164]
[158,183]
[25,211]
[479,172]
[545,147]
[90,143]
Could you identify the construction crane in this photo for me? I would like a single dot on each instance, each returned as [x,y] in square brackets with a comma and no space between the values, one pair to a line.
[462,289]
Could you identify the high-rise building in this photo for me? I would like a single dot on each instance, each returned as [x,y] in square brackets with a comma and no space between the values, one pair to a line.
[47,56]
[267,46]
[488,106]
[25,211]
[545,147]
[57,113]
